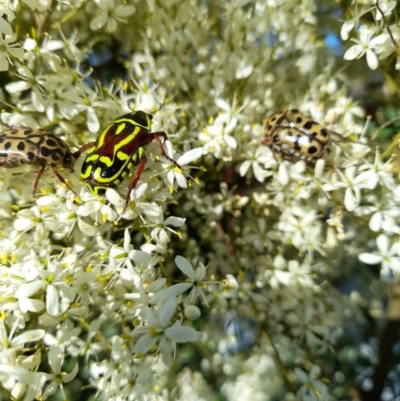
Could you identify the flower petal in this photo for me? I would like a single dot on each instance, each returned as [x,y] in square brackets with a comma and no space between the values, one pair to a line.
[55,358]
[98,22]
[185,267]
[182,334]
[372,60]
[370,258]
[354,52]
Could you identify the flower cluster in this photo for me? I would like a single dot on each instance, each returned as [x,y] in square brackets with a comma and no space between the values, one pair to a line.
[376,42]
[241,261]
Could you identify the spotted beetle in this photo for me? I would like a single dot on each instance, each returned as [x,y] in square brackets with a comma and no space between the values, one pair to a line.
[298,137]
[21,145]
[119,148]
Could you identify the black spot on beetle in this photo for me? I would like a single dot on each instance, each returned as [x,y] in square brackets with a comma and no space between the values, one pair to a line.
[312,150]
[7,145]
[3,154]
[324,132]
[2,138]
[289,133]
[276,138]
[294,110]
[45,151]
[309,124]
[268,127]
[299,120]
[21,146]
[51,142]
[27,132]
[30,155]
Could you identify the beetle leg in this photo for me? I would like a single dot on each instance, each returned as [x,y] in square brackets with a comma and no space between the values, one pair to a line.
[60,177]
[139,172]
[83,149]
[17,126]
[156,136]
[6,125]
[337,135]
[38,177]
[14,126]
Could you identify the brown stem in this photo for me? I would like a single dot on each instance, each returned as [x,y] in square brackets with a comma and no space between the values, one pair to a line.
[386,26]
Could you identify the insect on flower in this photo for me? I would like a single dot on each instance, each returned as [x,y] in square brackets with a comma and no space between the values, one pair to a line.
[298,137]
[119,148]
[21,145]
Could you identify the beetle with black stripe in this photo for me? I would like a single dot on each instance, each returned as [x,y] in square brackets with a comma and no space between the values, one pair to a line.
[120,147]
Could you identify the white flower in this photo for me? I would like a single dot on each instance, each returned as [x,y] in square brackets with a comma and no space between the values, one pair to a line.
[388,256]
[86,286]
[217,141]
[384,214]
[28,219]
[72,51]
[377,173]
[230,112]
[35,83]
[366,45]
[123,256]
[8,49]
[11,342]
[57,377]
[217,136]
[111,14]
[94,207]
[44,51]
[195,282]
[14,376]
[353,185]
[159,330]
[24,293]
[85,100]
[347,108]
[160,232]
[261,156]
[144,294]
[66,334]
[312,389]
[176,174]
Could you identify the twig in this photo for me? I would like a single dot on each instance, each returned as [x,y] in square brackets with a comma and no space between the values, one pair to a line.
[396,45]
